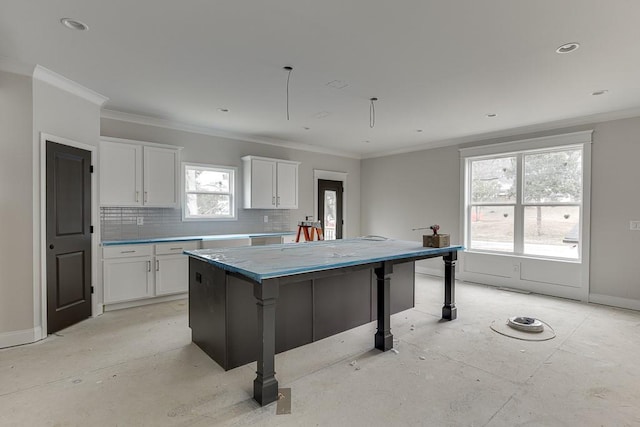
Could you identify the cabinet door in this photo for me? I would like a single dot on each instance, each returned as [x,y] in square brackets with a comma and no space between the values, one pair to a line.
[160,177]
[287,194]
[172,274]
[127,279]
[120,174]
[263,180]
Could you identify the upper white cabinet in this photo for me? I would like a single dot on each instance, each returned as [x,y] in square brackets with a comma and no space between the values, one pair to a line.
[270,183]
[138,174]
[120,174]
[161,179]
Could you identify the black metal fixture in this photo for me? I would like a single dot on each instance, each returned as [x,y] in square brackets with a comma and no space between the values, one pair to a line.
[289,70]
[372,112]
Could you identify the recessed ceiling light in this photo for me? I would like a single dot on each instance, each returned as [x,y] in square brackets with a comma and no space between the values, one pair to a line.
[223,110]
[74,24]
[492,115]
[338,84]
[568,47]
[599,92]
[321,114]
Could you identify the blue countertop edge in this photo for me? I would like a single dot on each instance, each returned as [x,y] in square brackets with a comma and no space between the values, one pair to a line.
[196,238]
[289,272]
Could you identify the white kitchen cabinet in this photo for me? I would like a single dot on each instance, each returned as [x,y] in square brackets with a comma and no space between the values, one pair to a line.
[161,179]
[172,267]
[120,174]
[262,241]
[270,183]
[127,273]
[226,243]
[132,272]
[138,174]
[172,274]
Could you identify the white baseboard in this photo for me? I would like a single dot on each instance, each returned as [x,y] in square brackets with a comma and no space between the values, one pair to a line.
[147,301]
[26,336]
[99,310]
[430,271]
[632,304]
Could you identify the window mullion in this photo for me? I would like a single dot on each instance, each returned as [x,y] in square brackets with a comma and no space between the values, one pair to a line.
[518,220]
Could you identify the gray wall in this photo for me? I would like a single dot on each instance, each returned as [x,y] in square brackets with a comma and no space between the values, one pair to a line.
[201,148]
[61,114]
[16,209]
[412,190]
[404,191]
[615,250]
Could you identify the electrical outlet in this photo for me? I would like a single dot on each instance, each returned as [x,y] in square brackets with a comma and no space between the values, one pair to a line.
[140,220]
[634,225]
[266,218]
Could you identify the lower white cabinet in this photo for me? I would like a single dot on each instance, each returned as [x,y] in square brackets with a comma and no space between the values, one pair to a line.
[127,279]
[132,272]
[172,267]
[135,273]
[172,274]
[127,272]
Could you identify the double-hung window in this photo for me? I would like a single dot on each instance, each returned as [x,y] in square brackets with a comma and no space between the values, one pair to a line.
[209,192]
[525,202]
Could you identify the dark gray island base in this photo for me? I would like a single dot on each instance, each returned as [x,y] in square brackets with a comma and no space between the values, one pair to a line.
[297,305]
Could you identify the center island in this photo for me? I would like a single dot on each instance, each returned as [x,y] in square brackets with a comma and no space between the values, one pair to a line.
[248,303]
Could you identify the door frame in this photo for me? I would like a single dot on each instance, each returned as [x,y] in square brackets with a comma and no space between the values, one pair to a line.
[332,176]
[40,287]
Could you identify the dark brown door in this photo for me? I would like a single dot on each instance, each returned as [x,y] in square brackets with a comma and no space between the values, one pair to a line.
[330,208]
[68,236]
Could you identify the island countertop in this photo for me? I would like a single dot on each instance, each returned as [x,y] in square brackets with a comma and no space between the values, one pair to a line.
[265,262]
[197,238]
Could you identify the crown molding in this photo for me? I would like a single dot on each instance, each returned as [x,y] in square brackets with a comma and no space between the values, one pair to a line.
[203,130]
[513,132]
[54,79]
[14,66]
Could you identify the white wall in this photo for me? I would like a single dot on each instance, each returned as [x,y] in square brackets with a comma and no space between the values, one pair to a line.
[222,151]
[16,220]
[404,191]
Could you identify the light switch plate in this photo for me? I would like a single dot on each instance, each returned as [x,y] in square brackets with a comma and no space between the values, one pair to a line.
[140,220]
[266,218]
[634,225]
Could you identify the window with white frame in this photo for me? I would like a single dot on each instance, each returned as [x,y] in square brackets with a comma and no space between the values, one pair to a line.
[526,202]
[209,192]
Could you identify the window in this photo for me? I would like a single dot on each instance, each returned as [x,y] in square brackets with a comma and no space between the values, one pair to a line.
[209,192]
[526,202]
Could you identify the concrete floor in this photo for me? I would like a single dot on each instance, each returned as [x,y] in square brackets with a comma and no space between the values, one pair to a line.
[138,367]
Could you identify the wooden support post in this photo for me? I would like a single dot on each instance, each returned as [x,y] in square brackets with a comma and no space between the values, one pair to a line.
[383,337]
[265,386]
[449,310]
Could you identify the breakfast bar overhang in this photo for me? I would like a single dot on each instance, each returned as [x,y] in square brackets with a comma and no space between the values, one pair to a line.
[216,275]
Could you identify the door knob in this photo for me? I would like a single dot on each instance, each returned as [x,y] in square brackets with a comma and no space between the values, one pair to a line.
[51,246]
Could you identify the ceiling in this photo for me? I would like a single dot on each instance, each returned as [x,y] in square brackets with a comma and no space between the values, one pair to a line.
[438,67]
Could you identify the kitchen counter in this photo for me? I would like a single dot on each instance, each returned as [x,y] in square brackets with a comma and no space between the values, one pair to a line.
[198,238]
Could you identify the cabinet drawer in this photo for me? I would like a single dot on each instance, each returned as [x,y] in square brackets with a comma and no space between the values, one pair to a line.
[122,251]
[231,243]
[176,247]
[261,241]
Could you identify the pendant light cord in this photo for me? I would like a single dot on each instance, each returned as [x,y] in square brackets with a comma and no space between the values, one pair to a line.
[289,69]
[372,113]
